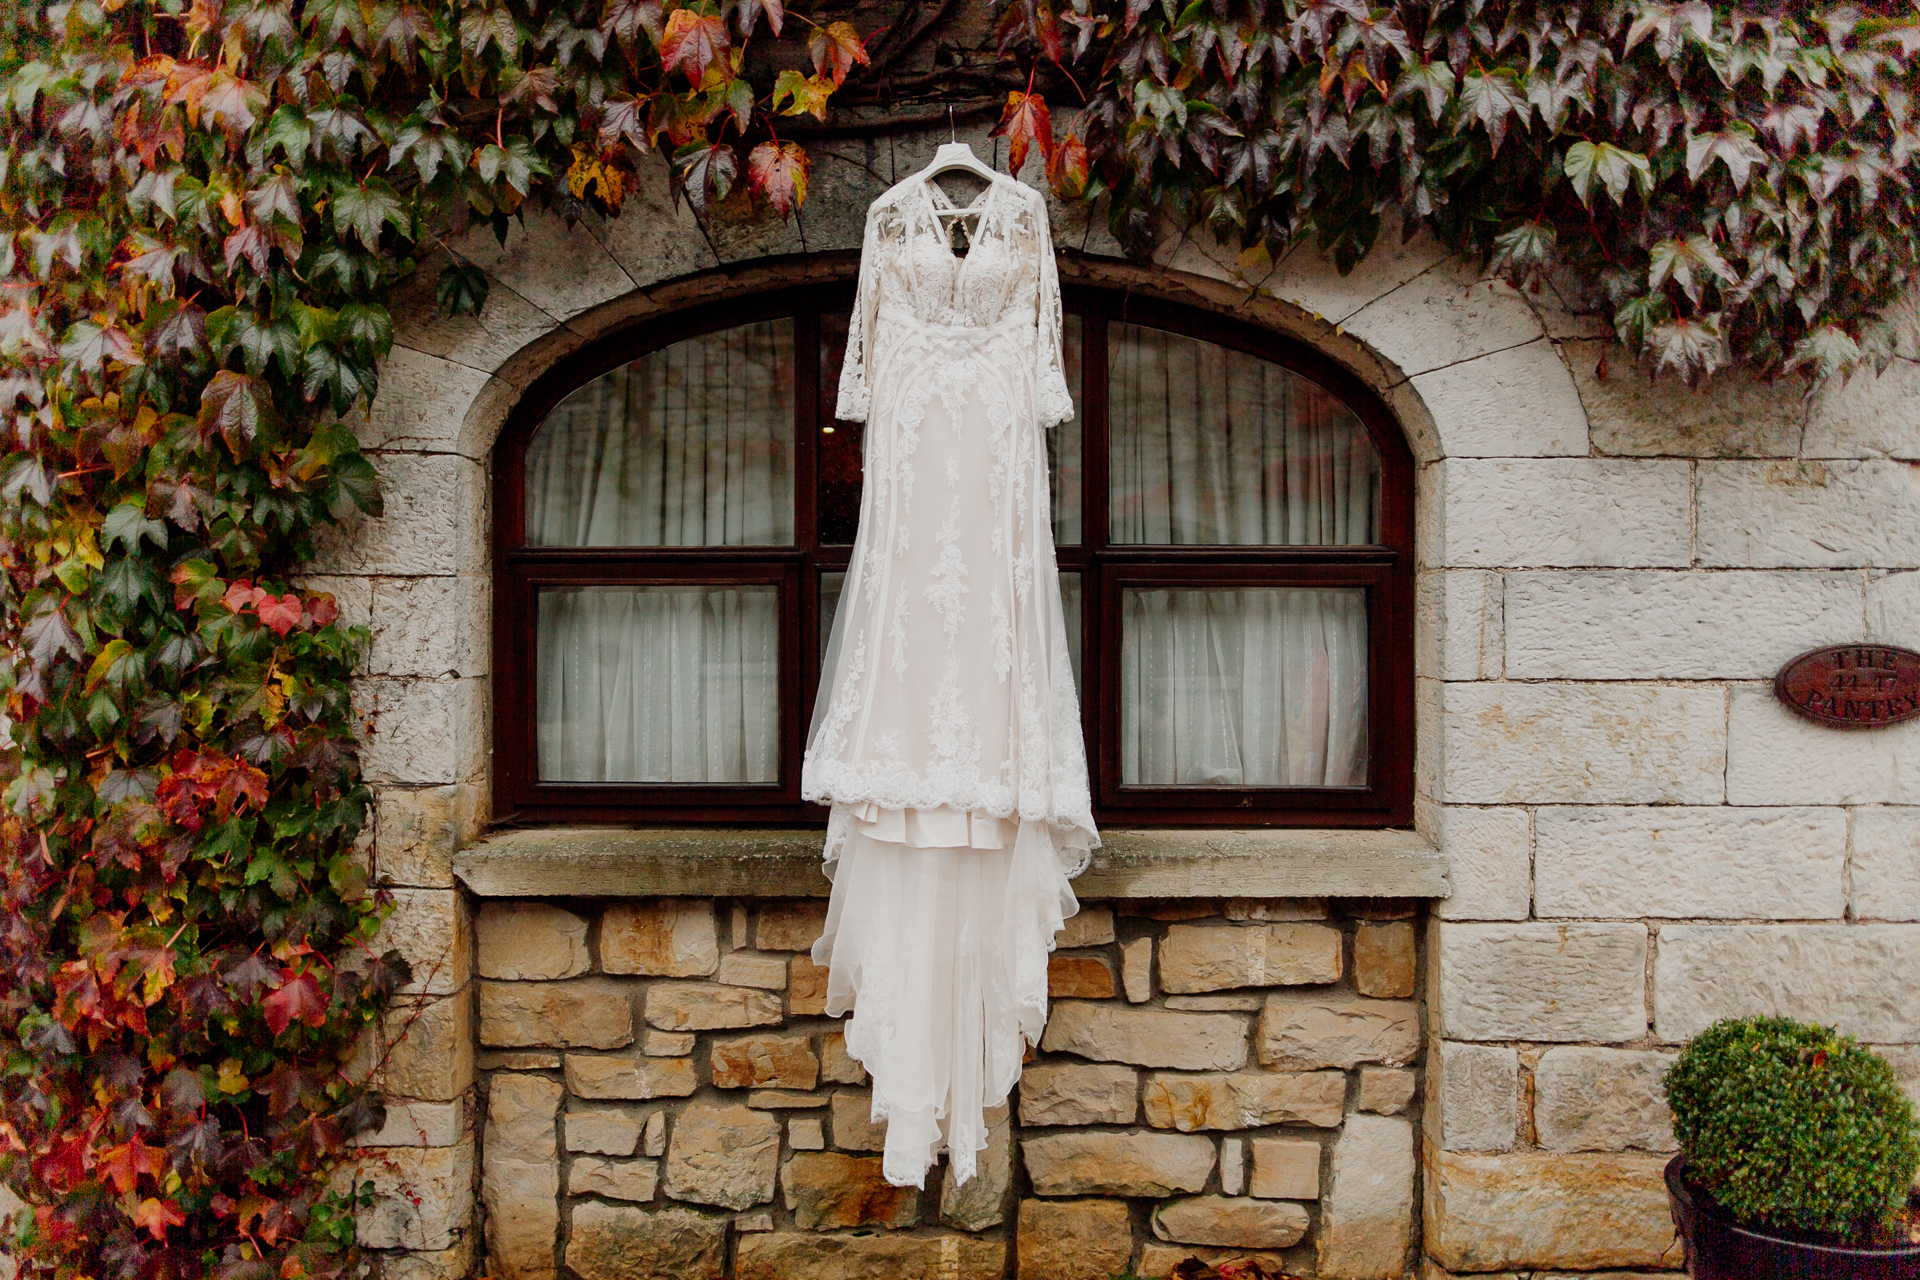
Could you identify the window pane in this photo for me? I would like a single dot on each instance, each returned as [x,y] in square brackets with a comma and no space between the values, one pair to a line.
[690,445]
[1216,447]
[839,455]
[659,684]
[830,586]
[1070,614]
[1246,686]
[1063,447]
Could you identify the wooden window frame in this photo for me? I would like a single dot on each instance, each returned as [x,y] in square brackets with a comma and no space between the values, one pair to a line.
[1384,571]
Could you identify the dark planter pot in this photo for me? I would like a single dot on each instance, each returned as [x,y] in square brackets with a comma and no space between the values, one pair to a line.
[1718,1248]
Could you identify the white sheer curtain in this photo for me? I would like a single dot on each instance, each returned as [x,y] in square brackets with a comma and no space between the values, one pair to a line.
[691,445]
[1239,686]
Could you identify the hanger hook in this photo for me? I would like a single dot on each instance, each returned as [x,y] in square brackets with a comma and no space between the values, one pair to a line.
[951,135]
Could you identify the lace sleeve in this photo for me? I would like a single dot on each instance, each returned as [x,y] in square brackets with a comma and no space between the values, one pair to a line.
[1052,402]
[856,384]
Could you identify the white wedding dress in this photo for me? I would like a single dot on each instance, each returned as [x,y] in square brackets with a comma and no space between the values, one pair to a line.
[946,734]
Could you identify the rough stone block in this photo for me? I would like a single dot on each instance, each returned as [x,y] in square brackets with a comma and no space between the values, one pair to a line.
[506,324]
[1775,757]
[1233,1166]
[439,1264]
[1123,1164]
[752,1061]
[1584,744]
[1893,606]
[1546,1210]
[1473,1096]
[783,1099]
[1871,416]
[836,1066]
[614,1179]
[618,1242]
[1233,1002]
[1305,1032]
[1516,403]
[1385,1091]
[1461,629]
[853,1126]
[1074,1239]
[422,1197]
[807,987]
[1198,958]
[1245,1100]
[520,1117]
[421,732]
[432,526]
[1444,317]
[825,1190]
[1273,910]
[745,969]
[1525,981]
[1233,1221]
[1808,515]
[586,1013]
[1092,927]
[1147,1037]
[1136,969]
[430,928]
[563,270]
[431,1048]
[1654,625]
[1384,959]
[606,1131]
[518,1060]
[1286,1169]
[723,1156]
[1159,1260]
[417,829]
[708,1006]
[429,627]
[1602,1100]
[1366,1211]
[1489,860]
[653,1140]
[656,1043]
[1562,512]
[530,940]
[1886,864]
[592,1076]
[981,1201]
[806,1134]
[1079,978]
[1740,416]
[783,1255]
[523,1216]
[790,926]
[1778,864]
[672,938]
[417,1124]
[1857,977]
[1076,1093]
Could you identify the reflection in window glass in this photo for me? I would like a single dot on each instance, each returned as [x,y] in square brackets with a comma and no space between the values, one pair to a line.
[1070,614]
[687,446]
[1063,447]
[839,458]
[1250,686]
[831,585]
[658,684]
[1212,447]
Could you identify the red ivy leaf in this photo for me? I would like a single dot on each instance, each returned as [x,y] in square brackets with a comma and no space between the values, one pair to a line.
[155,1216]
[692,41]
[835,48]
[282,614]
[1025,123]
[624,20]
[321,610]
[298,999]
[777,171]
[1067,168]
[125,1163]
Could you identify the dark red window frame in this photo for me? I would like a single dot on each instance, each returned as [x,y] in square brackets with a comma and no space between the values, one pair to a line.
[1384,572]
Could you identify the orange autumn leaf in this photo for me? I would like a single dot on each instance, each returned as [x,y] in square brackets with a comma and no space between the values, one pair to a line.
[1025,123]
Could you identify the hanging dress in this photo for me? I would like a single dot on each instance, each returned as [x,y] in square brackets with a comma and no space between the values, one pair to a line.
[946,733]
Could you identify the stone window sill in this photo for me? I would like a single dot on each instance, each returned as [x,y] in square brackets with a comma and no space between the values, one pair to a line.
[612,862]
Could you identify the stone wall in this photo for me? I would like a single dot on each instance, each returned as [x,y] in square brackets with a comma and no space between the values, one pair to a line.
[665,1097]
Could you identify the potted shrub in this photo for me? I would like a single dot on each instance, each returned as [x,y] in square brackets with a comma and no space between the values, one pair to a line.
[1797,1156]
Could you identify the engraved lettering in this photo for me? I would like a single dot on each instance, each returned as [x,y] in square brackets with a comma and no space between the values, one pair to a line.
[1856,686]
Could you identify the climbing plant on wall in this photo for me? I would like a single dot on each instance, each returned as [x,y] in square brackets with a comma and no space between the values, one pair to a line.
[203,208]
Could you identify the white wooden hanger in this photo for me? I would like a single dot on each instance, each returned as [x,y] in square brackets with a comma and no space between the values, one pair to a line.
[958,155]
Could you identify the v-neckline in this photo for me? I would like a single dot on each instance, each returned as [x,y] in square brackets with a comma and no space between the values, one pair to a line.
[936,195]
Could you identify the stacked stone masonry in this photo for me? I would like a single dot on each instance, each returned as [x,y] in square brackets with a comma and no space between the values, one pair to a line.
[663,1096]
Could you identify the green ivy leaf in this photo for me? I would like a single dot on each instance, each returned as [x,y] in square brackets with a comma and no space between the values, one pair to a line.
[362,209]
[1614,168]
[461,289]
[127,524]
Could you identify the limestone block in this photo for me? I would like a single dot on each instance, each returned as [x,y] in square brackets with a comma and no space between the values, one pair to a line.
[417,829]
[1198,958]
[790,926]
[1366,1211]
[825,1190]
[507,323]
[530,940]
[1739,416]
[1562,513]
[836,1066]
[653,1140]
[723,1156]
[854,1128]
[708,1006]
[606,1131]
[522,1215]
[1244,1100]
[1775,757]
[1584,744]
[1870,416]
[1079,977]
[656,236]
[1311,280]
[1473,1096]
[806,1134]
[1074,1239]
[1092,927]
[807,987]
[1886,864]
[1385,1091]
[1267,910]
[1660,625]
[1286,1169]
[1159,1260]
[783,1255]
[1528,981]
[1893,607]
[1489,860]
[1233,1002]
[520,1117]
[561,269]
[783,1099]
[440,1264]
[619,1242]
[656,1043]
[1460,629]
[1078,1093]
[1808,515]
[430,627]
[745,969]
[433,523]
[1120,1164]
[751,1061]
[635,1078]
[1233,1166]
[1233,1221]
[1444,317]
[1857,977]
[429,1048]
[1384,958]
[1136,969]
[1543,1210]
[614,1179]
[1304,1032]
[417,1124]
[430,928]
[1515,403]
[981,1201]
[421,732]
[1147,1037]
[1602,1100]
[671,937]
[422,1197]
[586,1013]
[519,1060]
[1778,864]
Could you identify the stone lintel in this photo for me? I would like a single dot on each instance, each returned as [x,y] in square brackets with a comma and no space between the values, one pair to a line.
[615,862]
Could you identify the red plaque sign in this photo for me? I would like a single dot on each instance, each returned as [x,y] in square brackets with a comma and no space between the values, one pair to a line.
[1853,686]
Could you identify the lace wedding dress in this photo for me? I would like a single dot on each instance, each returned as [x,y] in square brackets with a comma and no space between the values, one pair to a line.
[946,735]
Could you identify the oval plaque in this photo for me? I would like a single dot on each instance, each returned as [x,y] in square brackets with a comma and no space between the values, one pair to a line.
[1853,686]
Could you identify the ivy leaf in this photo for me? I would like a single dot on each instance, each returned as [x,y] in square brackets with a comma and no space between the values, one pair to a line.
[90,345]
[1824,352]
[1614,168]
[240,408]
[1431,80]
[50,637]
[517,162]
[327,371]
[1694,346]
[1067,168]
[482,27]
[693,40]
[1733,147]
[1490,97]
[368,326]
[624,20]
[747,15]
[1024,123]
[706,172]
[777,172]
[289,133]
[298,999]
[155,1217]
[835,48]
[461,289]
[362,208]
[429,148]
[127,524]
[801,94]
[1687,263]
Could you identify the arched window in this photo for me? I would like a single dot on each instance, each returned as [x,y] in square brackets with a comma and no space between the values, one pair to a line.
[1234,519]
